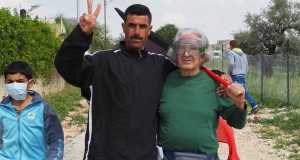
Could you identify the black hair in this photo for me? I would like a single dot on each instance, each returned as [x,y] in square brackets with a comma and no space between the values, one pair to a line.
[18,67]
[233,43]
[138,9]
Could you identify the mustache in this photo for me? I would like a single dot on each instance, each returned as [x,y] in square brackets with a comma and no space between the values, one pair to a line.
[136,37]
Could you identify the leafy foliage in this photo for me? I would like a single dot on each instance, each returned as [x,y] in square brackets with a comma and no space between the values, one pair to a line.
[292,45]
[270,27]
[69,26]
[99,42]
[248,42]
[65,101]
[116,41]
[168,32]
[29,40]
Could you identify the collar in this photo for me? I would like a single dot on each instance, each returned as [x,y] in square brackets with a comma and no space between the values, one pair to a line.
[133,52]
[237,49]
[36,97]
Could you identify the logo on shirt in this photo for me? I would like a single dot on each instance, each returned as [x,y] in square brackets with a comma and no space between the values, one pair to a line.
[31,115]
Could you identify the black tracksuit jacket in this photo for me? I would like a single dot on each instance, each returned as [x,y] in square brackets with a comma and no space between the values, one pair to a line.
[125,87]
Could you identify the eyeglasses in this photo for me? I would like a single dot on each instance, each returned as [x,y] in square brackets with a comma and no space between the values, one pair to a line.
[190,46]
[190,49]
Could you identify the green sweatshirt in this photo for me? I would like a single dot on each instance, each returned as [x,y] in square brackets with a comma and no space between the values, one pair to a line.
[189,111]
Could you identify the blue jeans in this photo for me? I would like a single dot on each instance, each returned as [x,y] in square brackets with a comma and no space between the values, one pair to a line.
[241,80]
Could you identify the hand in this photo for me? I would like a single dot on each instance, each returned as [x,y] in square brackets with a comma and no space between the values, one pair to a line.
[87,22]
[221,91]
[237,93]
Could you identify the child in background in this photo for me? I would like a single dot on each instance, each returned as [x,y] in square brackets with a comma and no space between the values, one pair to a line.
[30,128]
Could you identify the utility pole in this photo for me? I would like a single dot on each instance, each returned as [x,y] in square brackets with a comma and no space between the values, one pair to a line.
[78,11]
[33,8]
[105,24]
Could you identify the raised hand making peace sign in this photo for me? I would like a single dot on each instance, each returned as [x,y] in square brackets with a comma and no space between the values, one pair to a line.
[88,21]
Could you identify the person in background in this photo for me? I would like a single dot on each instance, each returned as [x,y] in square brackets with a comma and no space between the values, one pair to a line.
[123,86]
[30,128]
[189,108]
[238,68]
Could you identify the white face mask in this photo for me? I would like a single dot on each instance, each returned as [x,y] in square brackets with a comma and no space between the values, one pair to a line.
[17,91]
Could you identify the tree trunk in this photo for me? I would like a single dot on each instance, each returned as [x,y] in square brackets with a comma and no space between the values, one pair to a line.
[268,61]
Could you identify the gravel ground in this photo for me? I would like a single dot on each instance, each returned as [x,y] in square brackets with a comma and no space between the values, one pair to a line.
[75,148]
[249,146]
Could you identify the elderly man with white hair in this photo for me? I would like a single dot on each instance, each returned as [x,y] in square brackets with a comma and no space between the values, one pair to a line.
[190,108]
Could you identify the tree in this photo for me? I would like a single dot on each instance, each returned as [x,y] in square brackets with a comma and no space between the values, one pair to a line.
[248,42]
[28,40]
[294,42]
[99,42]
[68,25]
[117,40]
[271,25]
[168,32]
[270,29]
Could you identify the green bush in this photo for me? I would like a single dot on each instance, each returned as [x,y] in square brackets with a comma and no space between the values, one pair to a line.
[65,101]
[26,39]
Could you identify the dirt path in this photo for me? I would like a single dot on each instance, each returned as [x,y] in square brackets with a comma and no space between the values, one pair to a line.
[250,146]
[74,149]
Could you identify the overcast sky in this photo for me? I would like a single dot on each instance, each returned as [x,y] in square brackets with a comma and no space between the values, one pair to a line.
[218,19]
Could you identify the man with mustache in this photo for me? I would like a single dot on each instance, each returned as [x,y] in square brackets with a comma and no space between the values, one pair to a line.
[125,86]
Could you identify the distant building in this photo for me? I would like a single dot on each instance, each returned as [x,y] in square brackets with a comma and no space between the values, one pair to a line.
[59,28]
[221,44]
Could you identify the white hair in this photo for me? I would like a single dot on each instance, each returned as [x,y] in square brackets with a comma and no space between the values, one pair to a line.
[203,39]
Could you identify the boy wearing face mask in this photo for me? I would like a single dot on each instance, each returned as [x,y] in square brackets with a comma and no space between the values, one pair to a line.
[29,127]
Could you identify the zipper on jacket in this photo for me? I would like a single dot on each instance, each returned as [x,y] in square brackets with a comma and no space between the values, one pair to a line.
[134,109]
[140,53]
[19,133]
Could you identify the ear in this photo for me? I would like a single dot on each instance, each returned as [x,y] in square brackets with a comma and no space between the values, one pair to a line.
[30,84]
[124,27]
[150,29]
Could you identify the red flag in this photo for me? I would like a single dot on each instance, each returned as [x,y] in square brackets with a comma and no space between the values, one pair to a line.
[214,76]
[225,134]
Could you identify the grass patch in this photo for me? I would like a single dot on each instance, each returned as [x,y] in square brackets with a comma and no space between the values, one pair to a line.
[266,134]
[78,119]
[65,101]
[286,134]
[294,157]
[288,122]
[271,102]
